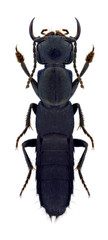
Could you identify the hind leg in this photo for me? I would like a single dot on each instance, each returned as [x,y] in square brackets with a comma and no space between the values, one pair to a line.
[81,143]
[28,143]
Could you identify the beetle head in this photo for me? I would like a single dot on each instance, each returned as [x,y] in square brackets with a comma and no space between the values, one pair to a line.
[54,50]
[54,47]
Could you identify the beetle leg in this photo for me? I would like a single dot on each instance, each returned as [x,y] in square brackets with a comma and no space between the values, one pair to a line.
[81,143]
[35,86]
[81,121]
[34,107]
[20,59]
[24,67]
[76,81]
[89,59]
[28,143]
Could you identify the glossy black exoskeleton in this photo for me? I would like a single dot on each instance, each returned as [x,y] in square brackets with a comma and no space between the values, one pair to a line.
[55,118]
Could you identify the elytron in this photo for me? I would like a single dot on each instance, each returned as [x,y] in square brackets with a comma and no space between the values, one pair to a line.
[55,118]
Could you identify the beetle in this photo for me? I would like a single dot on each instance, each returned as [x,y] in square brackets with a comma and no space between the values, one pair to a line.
[55,118]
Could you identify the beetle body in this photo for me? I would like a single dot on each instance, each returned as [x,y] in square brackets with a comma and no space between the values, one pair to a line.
[54,119]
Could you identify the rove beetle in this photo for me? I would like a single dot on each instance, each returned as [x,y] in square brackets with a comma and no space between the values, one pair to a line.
[55,118]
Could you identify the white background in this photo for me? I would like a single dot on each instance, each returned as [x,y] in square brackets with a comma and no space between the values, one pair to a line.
[86,218]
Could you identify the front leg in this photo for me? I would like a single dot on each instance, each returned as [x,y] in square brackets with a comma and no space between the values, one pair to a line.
[20,59]
[34,107]
[81,121]
[89,59]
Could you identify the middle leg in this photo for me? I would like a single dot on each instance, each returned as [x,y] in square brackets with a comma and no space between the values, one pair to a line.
[34,107]
[81,121]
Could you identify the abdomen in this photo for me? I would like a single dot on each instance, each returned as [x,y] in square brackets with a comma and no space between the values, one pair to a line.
[54,172]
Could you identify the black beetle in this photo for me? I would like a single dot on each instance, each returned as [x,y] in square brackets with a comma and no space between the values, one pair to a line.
[55,118]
